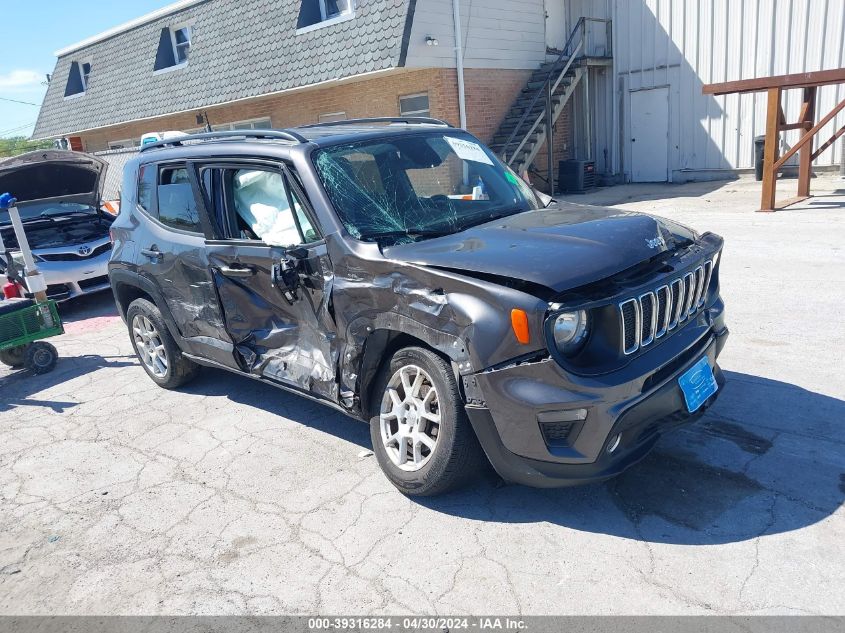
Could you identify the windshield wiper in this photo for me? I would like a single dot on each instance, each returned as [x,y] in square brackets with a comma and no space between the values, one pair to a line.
[53,214]
[410,233]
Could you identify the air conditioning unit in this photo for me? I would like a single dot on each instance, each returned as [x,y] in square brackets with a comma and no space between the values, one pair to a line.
[576,176]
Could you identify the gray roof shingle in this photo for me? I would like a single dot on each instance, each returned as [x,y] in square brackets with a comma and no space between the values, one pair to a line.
[239,48]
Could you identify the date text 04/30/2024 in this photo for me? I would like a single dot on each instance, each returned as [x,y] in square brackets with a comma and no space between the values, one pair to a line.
[419,623]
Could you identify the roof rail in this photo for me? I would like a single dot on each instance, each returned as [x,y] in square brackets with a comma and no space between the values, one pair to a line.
[409,120]
[280,135]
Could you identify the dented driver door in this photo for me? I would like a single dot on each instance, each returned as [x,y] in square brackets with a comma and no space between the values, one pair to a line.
[280,324]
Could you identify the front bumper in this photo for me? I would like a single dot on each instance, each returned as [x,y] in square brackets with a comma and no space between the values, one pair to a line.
[68,279]
[640,402]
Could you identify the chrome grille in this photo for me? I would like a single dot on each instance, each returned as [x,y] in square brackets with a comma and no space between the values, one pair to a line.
[689,294]
[648,324]
[75,256]
[664,305]
[708,274]
[630,311]
[650,316]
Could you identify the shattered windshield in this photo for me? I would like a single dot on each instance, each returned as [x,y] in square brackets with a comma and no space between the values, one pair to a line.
[405,188]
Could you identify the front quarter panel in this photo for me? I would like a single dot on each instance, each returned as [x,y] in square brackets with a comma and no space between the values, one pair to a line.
[466,319]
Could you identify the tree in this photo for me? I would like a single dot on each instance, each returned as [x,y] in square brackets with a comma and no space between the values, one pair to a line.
[14,145]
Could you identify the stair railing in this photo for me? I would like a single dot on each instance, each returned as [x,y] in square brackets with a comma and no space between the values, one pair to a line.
[551,84]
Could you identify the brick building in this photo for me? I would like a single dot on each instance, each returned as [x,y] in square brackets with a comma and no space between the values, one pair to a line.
[282,63]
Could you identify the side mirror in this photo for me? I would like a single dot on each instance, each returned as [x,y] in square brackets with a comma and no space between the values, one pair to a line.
[298,252]
[285,276]
[544,198]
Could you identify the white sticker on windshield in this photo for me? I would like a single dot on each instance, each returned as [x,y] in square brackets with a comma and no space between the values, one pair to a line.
[468,150]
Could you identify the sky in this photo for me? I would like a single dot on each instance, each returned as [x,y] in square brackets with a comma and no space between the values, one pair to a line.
[32,31]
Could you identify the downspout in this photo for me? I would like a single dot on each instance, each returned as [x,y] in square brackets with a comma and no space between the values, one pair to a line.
[459,63]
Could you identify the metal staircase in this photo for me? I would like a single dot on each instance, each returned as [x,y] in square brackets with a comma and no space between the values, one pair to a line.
[523,131]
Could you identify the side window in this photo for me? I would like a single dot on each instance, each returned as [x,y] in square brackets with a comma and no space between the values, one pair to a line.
[146,188]
[308,231]
[262,208]
[177,207]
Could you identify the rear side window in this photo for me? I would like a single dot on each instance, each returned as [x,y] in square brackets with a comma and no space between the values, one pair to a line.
[165,193]
[177,207]
[147,188]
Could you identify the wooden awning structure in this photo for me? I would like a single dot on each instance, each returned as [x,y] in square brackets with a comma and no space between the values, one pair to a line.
[776,123]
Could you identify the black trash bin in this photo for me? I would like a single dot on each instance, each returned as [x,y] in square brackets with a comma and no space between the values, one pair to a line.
[759,145]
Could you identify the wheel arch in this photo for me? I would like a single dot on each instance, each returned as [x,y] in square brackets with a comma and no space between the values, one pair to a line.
[125,294]
[128,286]
[378,348]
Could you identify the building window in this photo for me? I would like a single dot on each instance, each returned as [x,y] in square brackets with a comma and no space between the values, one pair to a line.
[249,124]
[181,44]
[414,105]
[125,144]
[85,70]
[174,47]
[77,80]
[316,13]
[332,116]
[334,8]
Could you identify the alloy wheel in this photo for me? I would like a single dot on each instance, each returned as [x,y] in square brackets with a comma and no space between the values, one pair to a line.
[410,418]
[149,345]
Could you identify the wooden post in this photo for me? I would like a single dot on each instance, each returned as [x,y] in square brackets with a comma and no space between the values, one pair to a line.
[767,203]
[808,116]
[776,123]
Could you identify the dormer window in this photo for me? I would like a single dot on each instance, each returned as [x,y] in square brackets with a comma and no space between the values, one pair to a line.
[174,47]
[85,70]
[317,13]
[334,8]
[181,44]
[77,80]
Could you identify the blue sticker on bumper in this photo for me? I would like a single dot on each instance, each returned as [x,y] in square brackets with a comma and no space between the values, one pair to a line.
[698,383]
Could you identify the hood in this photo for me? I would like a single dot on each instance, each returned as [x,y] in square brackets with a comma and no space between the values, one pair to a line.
[560,247]
[53,175]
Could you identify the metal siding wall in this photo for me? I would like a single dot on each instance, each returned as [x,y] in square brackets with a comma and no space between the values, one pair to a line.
[687,44]
[496,34]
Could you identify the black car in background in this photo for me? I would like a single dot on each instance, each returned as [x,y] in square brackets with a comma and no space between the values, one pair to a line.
[398,271]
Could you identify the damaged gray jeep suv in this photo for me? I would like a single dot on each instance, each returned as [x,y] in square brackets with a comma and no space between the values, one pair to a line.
[398,271]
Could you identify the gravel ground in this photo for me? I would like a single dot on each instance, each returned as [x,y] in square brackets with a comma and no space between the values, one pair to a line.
[229,496]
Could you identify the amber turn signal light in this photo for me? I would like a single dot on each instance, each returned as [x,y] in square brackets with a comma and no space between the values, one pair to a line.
[519,323]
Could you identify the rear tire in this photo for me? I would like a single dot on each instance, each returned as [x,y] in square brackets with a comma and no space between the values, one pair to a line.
[40,357]
[420,432]
[14,356]
[160,357]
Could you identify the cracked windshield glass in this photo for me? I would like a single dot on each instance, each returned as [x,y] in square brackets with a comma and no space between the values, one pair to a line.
[408,188]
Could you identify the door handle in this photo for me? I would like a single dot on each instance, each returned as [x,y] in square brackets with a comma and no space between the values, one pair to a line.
[242,271]
[152,253]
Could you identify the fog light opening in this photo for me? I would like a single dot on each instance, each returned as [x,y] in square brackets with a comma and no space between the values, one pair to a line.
[614,443]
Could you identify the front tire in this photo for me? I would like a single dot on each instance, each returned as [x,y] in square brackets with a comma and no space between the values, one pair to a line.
[420,433]
[160,357]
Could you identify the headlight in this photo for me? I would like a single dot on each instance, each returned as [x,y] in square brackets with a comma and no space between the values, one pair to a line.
[17,257]
[570,330]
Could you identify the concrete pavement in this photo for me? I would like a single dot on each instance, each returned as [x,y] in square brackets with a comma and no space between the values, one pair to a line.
[229,496]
